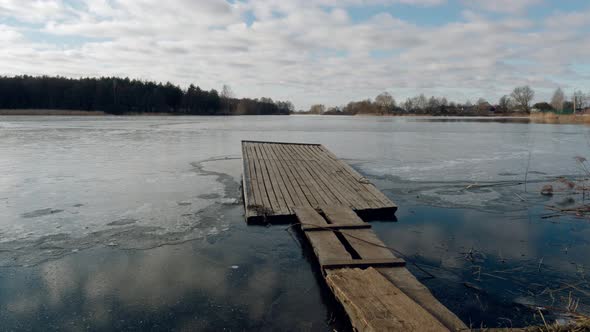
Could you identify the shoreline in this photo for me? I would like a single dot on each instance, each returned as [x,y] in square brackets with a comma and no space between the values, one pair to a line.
[37,112]
[545,118]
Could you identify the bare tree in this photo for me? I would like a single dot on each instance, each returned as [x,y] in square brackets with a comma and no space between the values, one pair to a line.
[226,92]
[385,101]
[579,99]
[558,100]
[433,104]
[317,109]
[505,103]
[226,96]
[523,95]
[408,105]
[420,102]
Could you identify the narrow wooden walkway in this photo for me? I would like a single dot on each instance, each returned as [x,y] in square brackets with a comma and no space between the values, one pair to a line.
[376,290]
[307,184]
[281,176]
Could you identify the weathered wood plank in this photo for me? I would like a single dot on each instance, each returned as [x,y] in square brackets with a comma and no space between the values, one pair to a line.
[314,169]
[247,178]
[281,193]
[353,189]
[314,189]
[296,190]
[351,177]
[351,263]
[309,170]
[262,199]
[338,214]
[375,304]
[295,172]
[366,243]
[326,245]
[266,180]
[403,279]
[332,183]
[278,177]
[293,191]
[332,254]
[332,227]
[363,241]
[370,187]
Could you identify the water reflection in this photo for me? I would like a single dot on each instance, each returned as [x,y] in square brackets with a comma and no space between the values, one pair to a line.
[252,279]
[490,267]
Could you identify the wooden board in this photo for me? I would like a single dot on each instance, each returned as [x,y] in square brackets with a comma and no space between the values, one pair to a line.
[279,177]
[342,263]
[326,245]
[333,253]
[375,304]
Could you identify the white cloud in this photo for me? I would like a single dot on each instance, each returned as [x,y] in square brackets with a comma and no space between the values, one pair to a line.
[295,49]
[9,34]
[32,10]
[503,6]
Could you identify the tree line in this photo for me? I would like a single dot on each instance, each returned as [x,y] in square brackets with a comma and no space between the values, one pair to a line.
[518,101]
[126,96]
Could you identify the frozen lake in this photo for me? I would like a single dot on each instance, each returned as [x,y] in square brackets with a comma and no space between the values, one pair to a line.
[136,222]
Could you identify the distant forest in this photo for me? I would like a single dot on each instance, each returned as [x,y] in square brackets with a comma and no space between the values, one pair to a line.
[125,96]
[519,102]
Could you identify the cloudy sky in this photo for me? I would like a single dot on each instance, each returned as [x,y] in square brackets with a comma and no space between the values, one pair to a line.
[323,51]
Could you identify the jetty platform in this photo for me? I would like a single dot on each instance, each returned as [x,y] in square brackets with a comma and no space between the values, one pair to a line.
[308,185]
[281,176]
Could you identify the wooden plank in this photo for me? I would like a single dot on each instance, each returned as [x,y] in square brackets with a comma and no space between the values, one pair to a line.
[262,201]
[348,174]
[308,173]
[247,178]
[403,279]
[287,143]
[370,187]
[375,304]
[342,215]
[330,251]
[350,188]
[276,182]
[303,176]
[291,189]
[248,192]
[326,245]
[343,263]
[366,243]
[278,177]
[267,182]
[295,177]
[363,241]
[314,169]
[332,227]
[344,195]
[261,183]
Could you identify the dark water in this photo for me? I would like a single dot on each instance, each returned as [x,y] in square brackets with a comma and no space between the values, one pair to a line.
[136,223]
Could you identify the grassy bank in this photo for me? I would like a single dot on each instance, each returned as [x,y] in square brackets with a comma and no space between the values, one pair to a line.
[560,118]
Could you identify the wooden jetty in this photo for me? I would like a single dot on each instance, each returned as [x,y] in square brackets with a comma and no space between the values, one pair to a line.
[307,184]
[281,176]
